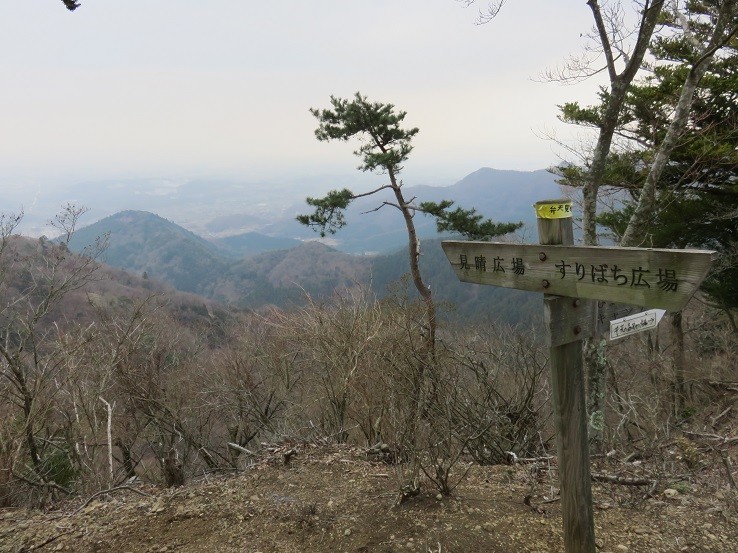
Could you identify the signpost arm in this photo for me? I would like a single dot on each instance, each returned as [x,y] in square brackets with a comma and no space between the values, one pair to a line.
[567,384]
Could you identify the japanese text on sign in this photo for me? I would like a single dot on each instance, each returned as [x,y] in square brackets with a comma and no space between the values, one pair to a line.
[635,323]
[554,210]
[644,277]
[665,279]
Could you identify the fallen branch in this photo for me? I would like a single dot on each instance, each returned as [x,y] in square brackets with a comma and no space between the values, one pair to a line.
[729,386]
[241,449]
[513,459]
[48,541]
[717,418]
[633,457]
[724,440]
[109,490]
[626,481]
[728,468]
[622,480]
[528,500]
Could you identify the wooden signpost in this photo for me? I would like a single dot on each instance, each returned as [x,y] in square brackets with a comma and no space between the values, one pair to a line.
[637,276]
[572,279]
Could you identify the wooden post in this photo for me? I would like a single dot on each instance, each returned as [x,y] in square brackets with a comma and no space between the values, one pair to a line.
[567,385]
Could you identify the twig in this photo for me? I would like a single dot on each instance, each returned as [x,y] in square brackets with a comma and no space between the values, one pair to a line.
[220,469]
[109,490]
[730,386]
[513,459]
[716,419]
[48,541]
[42,483]
[633,456]
[621,480]
[728,468]
[725,440]
[652,489]
[287,455]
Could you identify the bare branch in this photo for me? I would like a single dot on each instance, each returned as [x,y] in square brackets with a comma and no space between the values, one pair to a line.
[594,5]
[487,14]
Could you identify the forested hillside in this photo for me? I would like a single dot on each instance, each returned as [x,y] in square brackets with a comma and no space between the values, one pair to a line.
[141,242]
[136,387]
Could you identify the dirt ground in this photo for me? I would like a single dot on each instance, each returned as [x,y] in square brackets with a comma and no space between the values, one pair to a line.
[333,499]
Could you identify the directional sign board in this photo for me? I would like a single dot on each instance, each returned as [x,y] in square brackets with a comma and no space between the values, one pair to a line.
[645,277]
[632,324]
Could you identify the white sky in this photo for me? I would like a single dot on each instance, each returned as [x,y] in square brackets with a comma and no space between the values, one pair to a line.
[180,88]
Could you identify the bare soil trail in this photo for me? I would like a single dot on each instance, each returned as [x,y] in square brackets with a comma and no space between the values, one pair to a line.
[333,499]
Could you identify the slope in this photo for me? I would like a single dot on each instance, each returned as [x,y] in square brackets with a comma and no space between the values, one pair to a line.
[142,242]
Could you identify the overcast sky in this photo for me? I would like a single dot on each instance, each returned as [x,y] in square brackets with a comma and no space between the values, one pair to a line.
[181,88]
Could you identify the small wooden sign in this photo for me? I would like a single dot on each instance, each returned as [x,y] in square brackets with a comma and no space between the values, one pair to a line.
[570,319]
[633,324]
[645,277]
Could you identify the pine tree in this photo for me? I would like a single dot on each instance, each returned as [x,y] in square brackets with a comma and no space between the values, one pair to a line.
[384,146]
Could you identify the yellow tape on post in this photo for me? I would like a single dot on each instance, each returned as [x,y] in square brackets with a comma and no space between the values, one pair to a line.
[556,209]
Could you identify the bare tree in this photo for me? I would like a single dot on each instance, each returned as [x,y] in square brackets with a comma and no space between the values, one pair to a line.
[33,280]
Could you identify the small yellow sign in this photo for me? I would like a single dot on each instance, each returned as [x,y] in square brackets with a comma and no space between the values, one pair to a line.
[554,210]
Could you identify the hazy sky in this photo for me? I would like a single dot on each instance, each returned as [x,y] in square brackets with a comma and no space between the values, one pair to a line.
[178,88]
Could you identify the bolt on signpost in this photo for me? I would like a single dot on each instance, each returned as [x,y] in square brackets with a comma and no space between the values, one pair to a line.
[572,278]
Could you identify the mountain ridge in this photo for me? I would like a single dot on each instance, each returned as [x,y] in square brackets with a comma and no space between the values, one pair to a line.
[284,262]
[145,244]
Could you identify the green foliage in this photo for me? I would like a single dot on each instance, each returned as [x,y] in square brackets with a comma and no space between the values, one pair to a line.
[572,112]
[466,222]
[697,195]
[71,4]
[384,144]
[328,215]
[58,468]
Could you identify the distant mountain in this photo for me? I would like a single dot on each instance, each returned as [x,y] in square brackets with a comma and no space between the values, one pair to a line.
[284,277]
[503,196]
[146,244]
[252,243]
[115,291]
[218,208]
[455,298]
[277,266]
[141,242]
